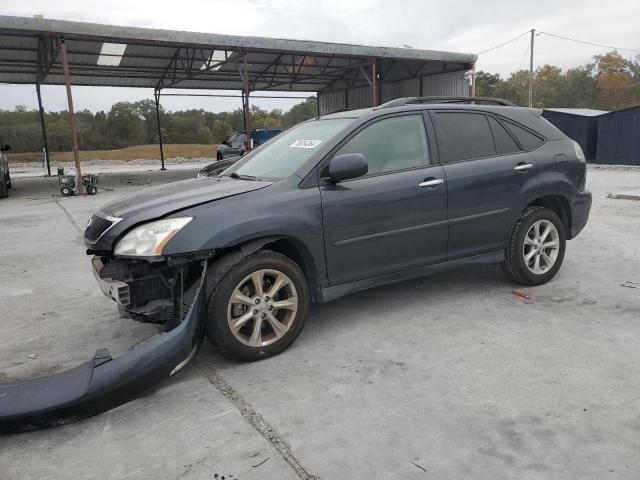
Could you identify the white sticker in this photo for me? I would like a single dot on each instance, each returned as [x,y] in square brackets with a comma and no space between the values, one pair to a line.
[305,144]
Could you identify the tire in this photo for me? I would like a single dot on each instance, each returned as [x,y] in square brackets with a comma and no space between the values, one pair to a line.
[91,190]
[219,156]
[66,191]
[534,255]
[222,311]
[9,186]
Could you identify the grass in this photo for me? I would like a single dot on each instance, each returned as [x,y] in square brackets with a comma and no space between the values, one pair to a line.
[148,152]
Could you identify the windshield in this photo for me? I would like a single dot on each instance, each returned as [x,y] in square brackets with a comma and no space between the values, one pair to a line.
[288,151]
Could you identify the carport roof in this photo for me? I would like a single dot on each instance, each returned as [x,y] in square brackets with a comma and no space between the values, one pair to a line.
[107,55]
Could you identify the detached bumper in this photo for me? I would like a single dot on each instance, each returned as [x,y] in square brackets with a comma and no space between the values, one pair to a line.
[104,383]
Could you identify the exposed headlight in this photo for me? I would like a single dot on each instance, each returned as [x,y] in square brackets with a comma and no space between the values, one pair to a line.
[149,239]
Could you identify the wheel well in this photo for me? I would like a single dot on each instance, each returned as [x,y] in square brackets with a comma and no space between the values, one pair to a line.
[297,252]
[558,204]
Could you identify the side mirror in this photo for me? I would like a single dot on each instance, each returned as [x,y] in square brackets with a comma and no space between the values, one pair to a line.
[5,148]
[347,165]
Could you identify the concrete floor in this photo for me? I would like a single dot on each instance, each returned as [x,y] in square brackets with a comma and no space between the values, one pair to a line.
[447,377]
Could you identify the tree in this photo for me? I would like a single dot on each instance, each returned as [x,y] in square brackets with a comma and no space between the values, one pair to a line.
[124,126]
[615,81]
[515,88]
[487,83]
[220,131]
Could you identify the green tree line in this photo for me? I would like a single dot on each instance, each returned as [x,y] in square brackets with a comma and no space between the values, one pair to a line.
[134,123]
[610,82]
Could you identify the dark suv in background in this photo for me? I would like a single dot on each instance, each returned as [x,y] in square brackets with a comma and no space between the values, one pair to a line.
[344,202]
[236,144]
[5,176]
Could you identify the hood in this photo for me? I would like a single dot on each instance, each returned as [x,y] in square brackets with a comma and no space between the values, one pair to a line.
[165,199]
[157,202]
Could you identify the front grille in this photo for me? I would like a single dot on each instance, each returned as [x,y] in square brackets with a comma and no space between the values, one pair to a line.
[96,227]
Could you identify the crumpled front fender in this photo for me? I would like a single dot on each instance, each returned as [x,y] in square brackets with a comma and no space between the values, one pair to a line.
[103,382]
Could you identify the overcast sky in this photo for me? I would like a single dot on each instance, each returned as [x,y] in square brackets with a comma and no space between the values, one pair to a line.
[461,25]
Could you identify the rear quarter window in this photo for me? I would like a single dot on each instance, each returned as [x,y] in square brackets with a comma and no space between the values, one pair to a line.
[505,144]
[528,140]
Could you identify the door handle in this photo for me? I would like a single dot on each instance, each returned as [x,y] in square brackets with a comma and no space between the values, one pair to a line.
[431,182]
[523,167]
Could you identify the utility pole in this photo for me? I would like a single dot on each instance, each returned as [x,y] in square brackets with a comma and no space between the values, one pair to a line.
[533,34]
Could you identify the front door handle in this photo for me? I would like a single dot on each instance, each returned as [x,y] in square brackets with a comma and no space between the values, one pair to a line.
[431,182]
[523,167]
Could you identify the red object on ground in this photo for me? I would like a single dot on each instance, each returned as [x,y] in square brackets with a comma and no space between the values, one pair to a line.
[518,293]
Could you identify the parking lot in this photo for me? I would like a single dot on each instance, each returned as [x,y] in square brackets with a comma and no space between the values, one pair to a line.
[451,376]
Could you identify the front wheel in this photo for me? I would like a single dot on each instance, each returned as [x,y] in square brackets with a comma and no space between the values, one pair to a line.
[66,191]
[536,247]
[259,308]
[219,156]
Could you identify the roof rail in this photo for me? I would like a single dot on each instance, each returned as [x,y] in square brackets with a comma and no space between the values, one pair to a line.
[398,102]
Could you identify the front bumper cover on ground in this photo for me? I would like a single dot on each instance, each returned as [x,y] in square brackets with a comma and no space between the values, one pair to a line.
[103,382]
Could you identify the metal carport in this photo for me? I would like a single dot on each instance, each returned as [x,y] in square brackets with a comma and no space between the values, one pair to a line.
[38,51]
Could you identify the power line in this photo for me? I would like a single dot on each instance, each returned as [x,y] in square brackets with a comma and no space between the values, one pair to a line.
[504,43]
[588,43]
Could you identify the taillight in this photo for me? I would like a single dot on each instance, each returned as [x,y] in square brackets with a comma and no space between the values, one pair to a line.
[579,152]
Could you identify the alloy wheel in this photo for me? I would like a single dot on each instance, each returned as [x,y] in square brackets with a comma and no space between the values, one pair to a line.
[262,308]
[541,247]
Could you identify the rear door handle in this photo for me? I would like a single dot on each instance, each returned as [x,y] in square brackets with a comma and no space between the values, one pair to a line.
[431,182]
[523,167]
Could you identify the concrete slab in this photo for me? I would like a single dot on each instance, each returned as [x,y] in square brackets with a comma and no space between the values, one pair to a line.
[450,376]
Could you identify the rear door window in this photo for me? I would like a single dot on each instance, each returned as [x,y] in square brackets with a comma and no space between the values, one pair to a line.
[528,140]
[463,136]
[505,144]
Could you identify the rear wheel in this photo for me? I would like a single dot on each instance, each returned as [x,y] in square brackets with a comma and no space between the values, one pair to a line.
[91,190]
[536,247]
[66,191]
[259,308]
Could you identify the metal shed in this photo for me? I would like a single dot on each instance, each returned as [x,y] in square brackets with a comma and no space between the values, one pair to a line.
[579,124]
[42,51]
[619,137]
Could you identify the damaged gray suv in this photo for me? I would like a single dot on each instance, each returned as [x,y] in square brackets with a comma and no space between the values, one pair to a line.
[341,203]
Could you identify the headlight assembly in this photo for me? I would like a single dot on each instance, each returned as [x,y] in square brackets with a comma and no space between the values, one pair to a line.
[149,239]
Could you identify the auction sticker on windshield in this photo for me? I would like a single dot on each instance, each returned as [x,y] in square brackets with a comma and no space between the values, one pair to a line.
[305,144]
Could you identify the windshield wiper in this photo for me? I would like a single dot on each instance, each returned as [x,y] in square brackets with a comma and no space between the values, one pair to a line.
[241,177]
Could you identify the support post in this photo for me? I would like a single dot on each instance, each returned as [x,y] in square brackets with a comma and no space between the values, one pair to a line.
[156,95]
[473,80]
[533,33]
[74,127]
[245,104]
[374,91]
[318,102]
[43,125]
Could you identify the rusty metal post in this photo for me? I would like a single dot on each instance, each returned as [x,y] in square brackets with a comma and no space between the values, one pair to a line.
[43,125]
[374,96]
[247,110]
[156,94]
[74,127]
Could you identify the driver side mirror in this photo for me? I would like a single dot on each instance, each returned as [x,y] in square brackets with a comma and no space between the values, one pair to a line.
[347,165]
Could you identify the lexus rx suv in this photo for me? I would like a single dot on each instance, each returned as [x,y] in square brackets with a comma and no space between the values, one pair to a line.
[340,203]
